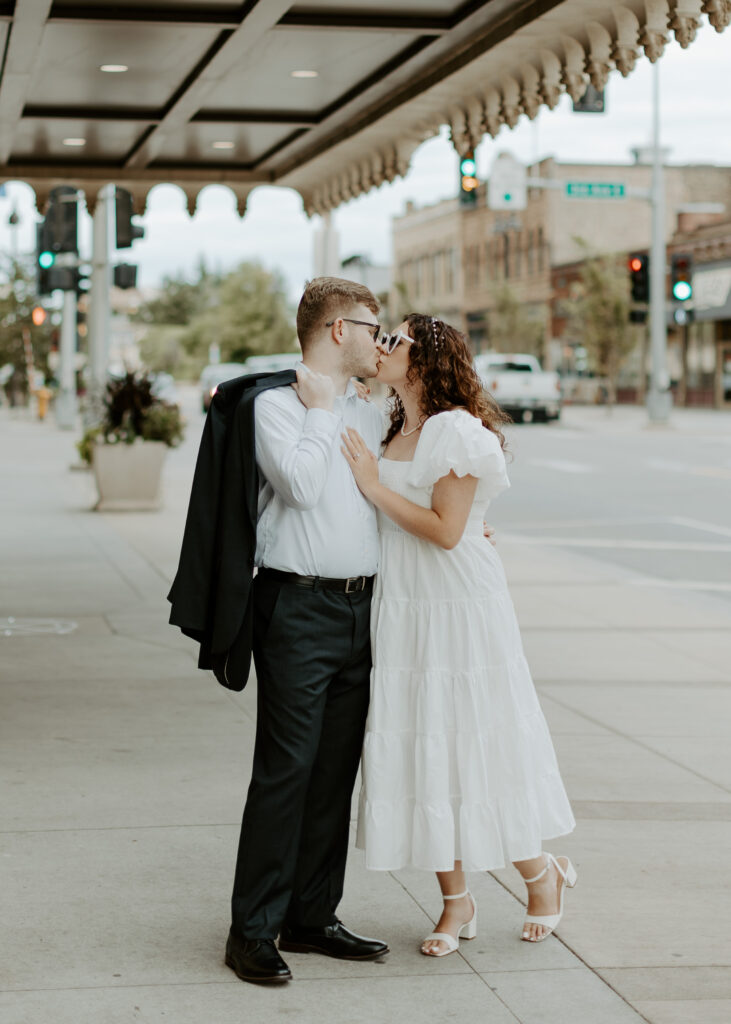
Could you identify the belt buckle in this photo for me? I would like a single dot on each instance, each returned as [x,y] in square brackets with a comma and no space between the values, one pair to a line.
[353,579]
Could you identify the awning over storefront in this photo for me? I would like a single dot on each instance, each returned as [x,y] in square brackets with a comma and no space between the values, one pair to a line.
[330,99]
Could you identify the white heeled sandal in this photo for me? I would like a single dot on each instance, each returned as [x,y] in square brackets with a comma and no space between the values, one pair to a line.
[466,931]
[550,921]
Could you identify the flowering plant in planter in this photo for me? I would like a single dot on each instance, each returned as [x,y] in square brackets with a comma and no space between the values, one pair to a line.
[127,448]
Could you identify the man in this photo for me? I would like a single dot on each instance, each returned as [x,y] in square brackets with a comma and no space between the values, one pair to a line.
[317,553]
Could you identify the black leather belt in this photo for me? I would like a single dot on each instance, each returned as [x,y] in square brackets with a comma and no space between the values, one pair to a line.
[351,585]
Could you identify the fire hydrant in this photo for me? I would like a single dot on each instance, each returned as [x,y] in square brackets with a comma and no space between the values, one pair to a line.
[43,395]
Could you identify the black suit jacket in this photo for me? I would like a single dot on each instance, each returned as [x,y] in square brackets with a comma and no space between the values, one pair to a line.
[211,593]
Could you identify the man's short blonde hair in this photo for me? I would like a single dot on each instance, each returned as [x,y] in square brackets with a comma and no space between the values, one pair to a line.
[326,298]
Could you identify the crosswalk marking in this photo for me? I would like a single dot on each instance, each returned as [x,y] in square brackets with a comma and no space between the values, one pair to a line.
[628,545]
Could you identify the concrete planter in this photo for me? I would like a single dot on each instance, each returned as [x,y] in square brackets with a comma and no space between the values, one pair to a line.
[128,475]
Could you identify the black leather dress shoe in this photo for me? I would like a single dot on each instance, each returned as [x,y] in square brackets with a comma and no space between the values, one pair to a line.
[256,960]
[332,940]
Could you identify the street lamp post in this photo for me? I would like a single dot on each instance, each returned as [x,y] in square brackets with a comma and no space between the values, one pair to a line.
[101,281]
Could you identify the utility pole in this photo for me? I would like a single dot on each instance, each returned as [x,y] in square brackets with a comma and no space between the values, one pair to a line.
[101,282]
[66,404]
[659,399]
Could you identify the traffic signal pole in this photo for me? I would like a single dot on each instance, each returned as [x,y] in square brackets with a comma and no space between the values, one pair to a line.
[659,398]
[66,405]
[101,282]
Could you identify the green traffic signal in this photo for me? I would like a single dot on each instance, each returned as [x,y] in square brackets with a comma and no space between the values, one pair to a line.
[682,291]
[46,259]
[468,167]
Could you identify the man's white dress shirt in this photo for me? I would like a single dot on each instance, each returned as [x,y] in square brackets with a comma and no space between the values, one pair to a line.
[312,519]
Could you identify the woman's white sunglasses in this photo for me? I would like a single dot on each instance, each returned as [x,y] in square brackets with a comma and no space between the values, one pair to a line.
[390,342]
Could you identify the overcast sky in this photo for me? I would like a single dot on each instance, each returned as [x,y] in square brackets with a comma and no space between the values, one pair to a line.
[696,125]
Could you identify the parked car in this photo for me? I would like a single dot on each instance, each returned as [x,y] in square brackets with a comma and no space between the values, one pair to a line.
[519,385]
[216,374]
[272,363]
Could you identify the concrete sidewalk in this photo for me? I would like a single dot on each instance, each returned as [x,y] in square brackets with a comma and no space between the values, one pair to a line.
[125,770]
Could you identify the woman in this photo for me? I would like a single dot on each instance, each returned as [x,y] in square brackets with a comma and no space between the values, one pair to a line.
[459,772]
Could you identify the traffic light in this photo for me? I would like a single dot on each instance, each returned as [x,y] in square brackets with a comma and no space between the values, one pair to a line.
[125,275]
[57,234]
[639,274]
[127,232]
[49,275]
[45,258]
[62,219]
[681,276]
[468,179]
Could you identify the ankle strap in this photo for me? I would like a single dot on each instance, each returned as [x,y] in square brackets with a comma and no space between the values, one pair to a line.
[550,859]
[459,896]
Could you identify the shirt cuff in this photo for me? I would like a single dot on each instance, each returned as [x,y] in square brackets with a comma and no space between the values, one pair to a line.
[321,421]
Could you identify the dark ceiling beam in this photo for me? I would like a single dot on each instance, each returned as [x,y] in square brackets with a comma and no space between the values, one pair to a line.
[18,63]
[365,21]
[227,17]
[225,116]
[144,114]
[81,113]
[148,14]
[382,21]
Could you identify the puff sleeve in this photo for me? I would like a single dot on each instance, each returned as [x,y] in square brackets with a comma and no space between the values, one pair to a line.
[457,441]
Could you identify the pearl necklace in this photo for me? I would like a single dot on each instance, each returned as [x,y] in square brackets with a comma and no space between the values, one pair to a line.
[419,425]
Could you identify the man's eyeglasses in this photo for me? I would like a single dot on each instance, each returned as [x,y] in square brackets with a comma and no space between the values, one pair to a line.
[390,342]
[376,328]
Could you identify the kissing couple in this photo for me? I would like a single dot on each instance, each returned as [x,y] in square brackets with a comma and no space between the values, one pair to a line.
[381,628]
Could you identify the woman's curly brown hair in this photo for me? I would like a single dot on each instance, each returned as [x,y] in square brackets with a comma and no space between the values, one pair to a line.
[441,361]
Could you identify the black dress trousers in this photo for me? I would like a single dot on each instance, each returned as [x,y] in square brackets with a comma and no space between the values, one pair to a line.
[312,657]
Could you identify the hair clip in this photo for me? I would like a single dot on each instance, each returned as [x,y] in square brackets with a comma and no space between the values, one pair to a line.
[434,323]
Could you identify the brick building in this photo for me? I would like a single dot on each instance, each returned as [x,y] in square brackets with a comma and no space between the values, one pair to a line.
[453,260]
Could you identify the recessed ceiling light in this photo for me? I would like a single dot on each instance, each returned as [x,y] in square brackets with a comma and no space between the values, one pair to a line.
[223,145]
[74,142]
[114,69]
[304,74]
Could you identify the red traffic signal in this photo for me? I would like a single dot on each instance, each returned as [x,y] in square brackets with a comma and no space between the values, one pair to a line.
[639,275]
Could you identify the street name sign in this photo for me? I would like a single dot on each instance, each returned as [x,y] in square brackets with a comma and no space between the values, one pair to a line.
[595,189]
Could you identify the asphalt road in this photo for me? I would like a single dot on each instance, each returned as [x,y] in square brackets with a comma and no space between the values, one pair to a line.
[656,501]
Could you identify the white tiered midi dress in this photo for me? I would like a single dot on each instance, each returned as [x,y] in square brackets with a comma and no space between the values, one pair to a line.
[458,763]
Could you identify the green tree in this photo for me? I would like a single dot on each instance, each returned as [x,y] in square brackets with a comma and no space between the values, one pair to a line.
[248,314]
[180,300]
[598,314]
[17,299]
[514,326]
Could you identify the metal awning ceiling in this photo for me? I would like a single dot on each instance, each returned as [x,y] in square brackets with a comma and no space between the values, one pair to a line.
[203,72]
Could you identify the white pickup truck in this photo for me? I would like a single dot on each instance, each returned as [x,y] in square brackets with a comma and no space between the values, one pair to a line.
[519,385]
